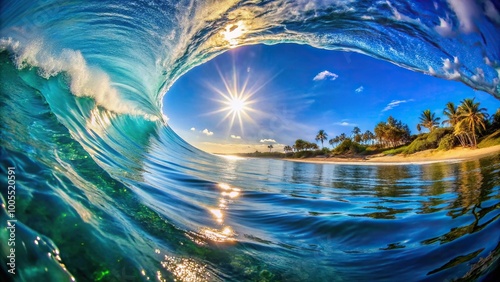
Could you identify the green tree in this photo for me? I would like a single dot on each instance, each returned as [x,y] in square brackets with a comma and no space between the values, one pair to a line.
[331,141]
[356,134]
[321,136]
[429,120]
[472,118]
[300,145]
[342,137]
[452,113]
[356,131]
[392,133]
[495,120]
[368,136]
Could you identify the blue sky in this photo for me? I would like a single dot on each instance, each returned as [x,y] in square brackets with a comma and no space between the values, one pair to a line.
[295,90]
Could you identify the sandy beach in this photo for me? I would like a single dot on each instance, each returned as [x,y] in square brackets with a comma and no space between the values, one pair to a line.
[424,157]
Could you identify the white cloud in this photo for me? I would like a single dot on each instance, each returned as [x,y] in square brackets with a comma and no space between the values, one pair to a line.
[467,11]
[325,75]
[479,76]
[491,12]
[451,68]
[235,137]
[193,129]
[395,103]
[267,140]
[207,132]
[444,28]
[345,123]
[359,89]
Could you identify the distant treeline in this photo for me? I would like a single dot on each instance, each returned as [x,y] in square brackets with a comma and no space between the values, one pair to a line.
[464,125]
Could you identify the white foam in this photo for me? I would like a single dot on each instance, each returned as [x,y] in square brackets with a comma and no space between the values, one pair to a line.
[85,81]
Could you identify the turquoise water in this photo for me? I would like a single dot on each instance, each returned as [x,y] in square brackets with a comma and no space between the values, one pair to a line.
[106,191]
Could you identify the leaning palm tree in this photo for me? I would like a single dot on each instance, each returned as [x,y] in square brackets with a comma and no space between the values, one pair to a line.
[429,120]
[471,118]
[321,136]
[331,141]
[270,148]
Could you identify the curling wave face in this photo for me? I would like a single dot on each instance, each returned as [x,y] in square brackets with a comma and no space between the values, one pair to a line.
[123,197]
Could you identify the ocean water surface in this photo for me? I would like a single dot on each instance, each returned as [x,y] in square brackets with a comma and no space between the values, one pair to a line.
[106,191]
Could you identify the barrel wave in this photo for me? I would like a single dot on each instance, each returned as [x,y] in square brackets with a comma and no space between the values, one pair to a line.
[106,191]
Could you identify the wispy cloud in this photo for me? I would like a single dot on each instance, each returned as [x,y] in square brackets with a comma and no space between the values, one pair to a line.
[193,129]
[359,89]
[345,123]
[395,103]
[207,132]
[235,136]
[267,140]
[325,75]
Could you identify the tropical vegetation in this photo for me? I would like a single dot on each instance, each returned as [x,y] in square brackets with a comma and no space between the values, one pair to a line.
[466,124]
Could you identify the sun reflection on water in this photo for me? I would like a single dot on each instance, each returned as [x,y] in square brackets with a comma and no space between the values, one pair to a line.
[225,233]
[184,269]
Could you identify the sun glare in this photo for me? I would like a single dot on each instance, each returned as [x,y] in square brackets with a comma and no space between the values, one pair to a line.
[237,98]
[236,107]
[236,104]
[234,31]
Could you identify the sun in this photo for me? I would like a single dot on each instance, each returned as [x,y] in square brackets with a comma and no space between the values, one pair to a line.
[236,105]
[236,98]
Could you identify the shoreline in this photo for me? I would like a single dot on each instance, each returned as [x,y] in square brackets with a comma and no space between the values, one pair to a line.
[419,158]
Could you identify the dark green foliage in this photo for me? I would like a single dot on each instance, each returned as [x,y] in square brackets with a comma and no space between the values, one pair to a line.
[495,121]
[349,147]
[437,134]
[491,140]
[258,154]
[428,141]
[419,144]
[447,142]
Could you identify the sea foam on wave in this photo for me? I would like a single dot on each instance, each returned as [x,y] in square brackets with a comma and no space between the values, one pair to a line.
[86,81]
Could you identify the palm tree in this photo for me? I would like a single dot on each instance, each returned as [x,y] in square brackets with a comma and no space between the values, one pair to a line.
[321,136]
[451,112]
[342,137]
[287,149]
[495,120]
[367,136]
[471,118]
[356,131]
[270,147]
[331,141]
[300,145]
[429,120]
